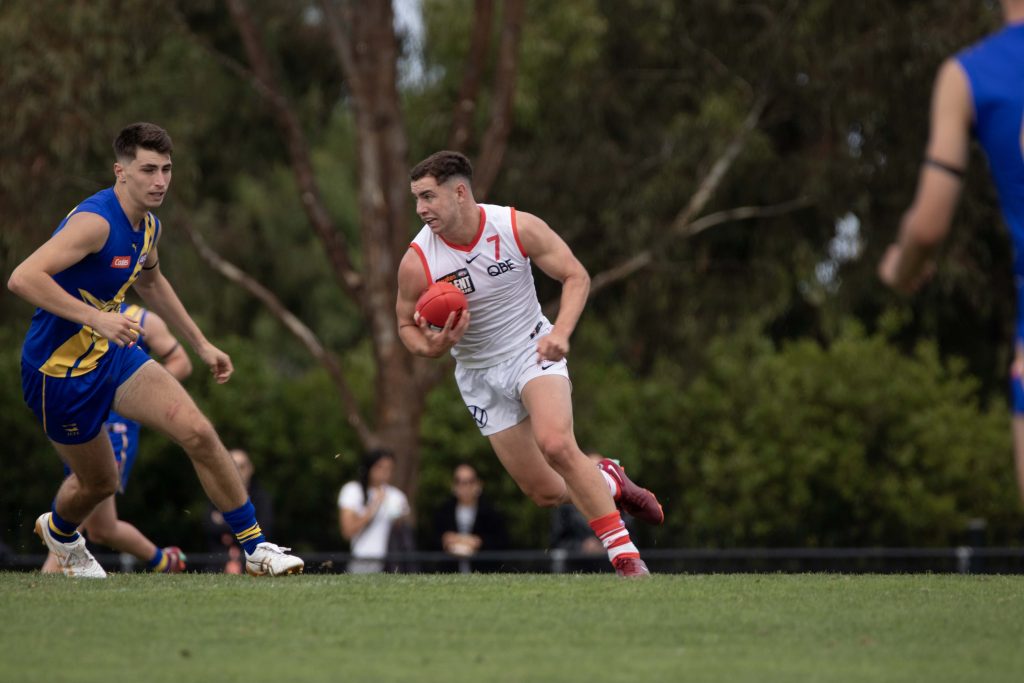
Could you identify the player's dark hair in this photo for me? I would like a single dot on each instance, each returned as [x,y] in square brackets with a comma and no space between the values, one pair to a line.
[442,166]
[371,458]
[141,135]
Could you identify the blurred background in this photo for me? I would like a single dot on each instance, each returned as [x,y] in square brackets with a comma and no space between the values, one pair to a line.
[729,172]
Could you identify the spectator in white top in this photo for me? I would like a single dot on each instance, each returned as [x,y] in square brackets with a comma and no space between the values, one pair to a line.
[367,511]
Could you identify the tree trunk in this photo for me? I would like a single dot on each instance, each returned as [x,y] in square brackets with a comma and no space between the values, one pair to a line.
[369,58]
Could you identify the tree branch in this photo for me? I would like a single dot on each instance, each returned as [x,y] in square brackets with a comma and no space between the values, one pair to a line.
[645,258]
[298,152]
[305,335]
[740,213]
[495,140]
[342,46]
[473,68]
[719,169]
[229,63]
[683,225]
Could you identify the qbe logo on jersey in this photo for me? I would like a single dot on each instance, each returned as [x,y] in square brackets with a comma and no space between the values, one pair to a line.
[461,279]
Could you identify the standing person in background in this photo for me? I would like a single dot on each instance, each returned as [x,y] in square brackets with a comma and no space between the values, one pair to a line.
[467,523]
[80,359]
[368,509]
[510,361]
[218,534]
[102,525]
[979,90]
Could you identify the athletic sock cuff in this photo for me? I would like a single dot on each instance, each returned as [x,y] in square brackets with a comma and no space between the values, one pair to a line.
[606,523]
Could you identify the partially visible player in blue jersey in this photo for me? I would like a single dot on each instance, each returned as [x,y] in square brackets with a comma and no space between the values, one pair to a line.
[981,91]
[80,359]
[103,525]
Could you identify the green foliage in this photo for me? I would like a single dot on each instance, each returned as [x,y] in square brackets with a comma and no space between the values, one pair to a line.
[845,445]
[725,374]
[850,444]
[290,425]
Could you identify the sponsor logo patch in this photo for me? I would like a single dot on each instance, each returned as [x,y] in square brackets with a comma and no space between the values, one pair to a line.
[501,267]
[121,262]
[461,279]
[479,414]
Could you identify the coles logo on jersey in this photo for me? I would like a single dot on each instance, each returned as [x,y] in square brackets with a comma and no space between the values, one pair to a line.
[121,262]
[461,279]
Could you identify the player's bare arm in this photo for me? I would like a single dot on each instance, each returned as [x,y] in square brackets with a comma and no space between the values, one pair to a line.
[85,233]
[414,332]
[352,522]
[553,256]
[909,262]
[160,297]
[165,348]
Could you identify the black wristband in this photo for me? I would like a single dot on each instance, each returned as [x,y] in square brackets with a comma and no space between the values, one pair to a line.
[942,166]
[170,351]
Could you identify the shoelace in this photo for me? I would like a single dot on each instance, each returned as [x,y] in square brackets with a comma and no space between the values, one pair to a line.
[78,558]
[273,547]
[75,554]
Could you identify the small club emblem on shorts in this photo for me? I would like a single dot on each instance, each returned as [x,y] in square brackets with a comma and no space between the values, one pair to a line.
[71,428]
[479,414]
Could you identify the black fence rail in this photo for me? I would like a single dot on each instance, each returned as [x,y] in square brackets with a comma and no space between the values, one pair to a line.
[956,560]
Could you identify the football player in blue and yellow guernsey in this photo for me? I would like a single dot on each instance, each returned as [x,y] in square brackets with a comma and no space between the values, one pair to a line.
[103,525]
[978,92]
[80,359]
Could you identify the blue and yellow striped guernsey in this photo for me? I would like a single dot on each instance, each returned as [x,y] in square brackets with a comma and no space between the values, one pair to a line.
[61,348]
[138,314]
[995,70]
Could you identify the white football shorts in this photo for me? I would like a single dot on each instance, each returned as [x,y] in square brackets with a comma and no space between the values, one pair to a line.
[494,395]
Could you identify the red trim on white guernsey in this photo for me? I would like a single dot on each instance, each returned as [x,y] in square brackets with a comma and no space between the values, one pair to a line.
[423,259]
[515,231]
[479,232]
[500,291]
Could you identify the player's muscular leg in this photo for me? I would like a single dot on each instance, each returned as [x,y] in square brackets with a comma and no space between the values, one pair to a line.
[517,450]
[154,398]
[93,478]
[549,402]
[103,527]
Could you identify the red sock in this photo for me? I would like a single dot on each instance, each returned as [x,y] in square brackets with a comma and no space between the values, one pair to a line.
[614,536]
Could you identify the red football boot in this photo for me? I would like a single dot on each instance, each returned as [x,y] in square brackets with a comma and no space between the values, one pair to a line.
[175,560]
[630,568]
[632,499]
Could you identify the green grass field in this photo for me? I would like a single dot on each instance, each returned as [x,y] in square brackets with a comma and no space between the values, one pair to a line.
[517,627]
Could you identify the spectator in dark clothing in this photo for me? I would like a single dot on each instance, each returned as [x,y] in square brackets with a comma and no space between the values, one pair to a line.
[466,523]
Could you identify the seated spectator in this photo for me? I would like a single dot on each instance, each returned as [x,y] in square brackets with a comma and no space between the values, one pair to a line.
[466,523]
[369,509]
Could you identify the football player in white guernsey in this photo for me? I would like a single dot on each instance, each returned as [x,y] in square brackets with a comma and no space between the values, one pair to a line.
[510,360]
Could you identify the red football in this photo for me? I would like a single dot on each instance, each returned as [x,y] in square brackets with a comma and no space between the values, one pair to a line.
[440,299]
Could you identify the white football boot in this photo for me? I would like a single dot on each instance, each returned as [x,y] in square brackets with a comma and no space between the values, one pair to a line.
[272,560]
[74,558]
